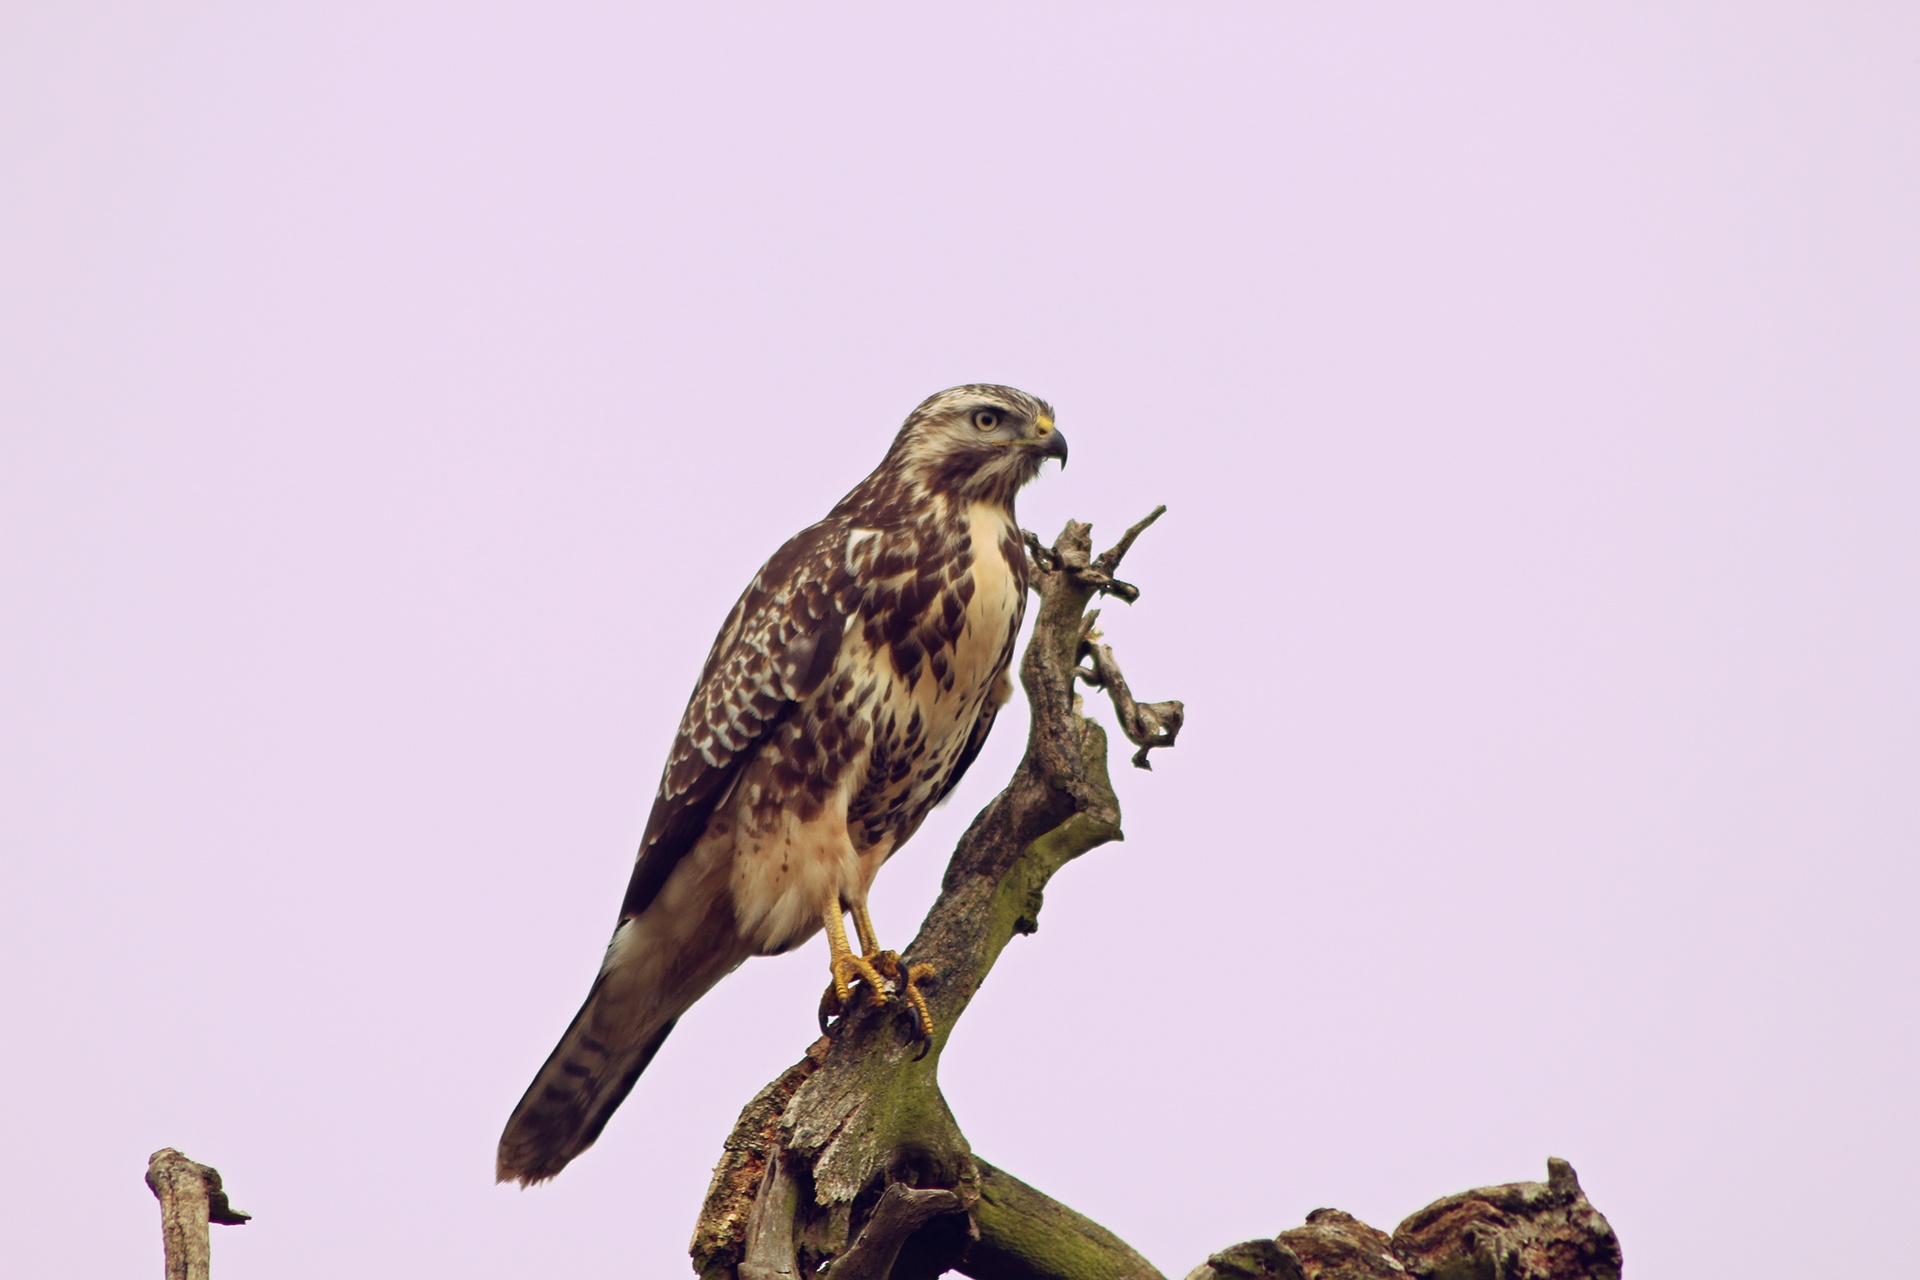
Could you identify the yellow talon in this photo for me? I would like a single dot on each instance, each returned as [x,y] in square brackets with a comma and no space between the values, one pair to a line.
[906,984]
[847,966]
[878,969]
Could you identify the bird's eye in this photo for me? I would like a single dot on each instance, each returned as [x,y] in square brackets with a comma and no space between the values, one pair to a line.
[985,419]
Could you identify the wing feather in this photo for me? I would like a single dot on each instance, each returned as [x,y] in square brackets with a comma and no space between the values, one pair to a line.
[777,645]
[976,739]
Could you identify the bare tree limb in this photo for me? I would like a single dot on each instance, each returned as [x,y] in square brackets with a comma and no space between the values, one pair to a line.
[190,1197]
[1025,1235]
[1110,558]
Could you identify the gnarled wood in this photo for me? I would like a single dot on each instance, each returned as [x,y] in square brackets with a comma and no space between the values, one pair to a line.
[1520,1231]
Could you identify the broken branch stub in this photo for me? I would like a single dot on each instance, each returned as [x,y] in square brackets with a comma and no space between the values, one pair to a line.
[190,1197]
[1520,1231]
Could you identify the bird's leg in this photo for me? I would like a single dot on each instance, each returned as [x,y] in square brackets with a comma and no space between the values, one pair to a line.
[863,925]
[905,980]
[846,967]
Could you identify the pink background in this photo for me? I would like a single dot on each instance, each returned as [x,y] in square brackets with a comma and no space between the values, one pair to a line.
[395,397]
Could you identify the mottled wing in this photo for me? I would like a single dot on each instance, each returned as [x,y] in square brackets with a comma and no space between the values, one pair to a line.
[975,740]
[777,645]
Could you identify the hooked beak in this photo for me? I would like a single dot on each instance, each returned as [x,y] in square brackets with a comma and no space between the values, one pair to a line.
[1053,444]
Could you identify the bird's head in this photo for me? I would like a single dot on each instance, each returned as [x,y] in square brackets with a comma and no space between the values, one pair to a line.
[978,442]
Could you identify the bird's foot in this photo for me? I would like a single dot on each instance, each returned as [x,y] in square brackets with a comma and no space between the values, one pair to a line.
[906,989]
[887,978]
[848,969]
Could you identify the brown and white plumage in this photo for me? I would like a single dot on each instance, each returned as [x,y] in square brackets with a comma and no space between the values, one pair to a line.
[851,686]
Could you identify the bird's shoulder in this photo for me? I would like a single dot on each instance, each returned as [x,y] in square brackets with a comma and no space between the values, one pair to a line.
[778,642]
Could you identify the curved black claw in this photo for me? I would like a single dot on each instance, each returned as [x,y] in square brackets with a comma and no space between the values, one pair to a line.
[850,974]
[906,982]
[921,1035]
[892,981]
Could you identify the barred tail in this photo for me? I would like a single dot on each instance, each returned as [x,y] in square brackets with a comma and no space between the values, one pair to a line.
[610,1042]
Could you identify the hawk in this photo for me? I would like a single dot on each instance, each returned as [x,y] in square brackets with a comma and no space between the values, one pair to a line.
[853,683]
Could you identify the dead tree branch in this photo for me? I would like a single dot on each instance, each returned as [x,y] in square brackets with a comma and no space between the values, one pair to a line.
[1025,1235]
[850,1165]
[190,1197]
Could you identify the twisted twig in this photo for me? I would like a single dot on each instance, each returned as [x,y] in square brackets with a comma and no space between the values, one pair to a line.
[1146,724]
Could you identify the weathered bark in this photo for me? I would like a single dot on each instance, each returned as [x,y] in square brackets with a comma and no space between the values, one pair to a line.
[1519,1231]
[1252,1260]
[740,1177]
[190,1197]
[1338,1246]
[1024,1235]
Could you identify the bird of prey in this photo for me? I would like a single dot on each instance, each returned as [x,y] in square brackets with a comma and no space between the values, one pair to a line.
[851,686]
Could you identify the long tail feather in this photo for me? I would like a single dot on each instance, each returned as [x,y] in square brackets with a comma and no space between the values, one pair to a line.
[588,1074]
[658,962]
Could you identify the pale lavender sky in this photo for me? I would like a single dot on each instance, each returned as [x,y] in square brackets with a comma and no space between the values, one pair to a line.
[395,397]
